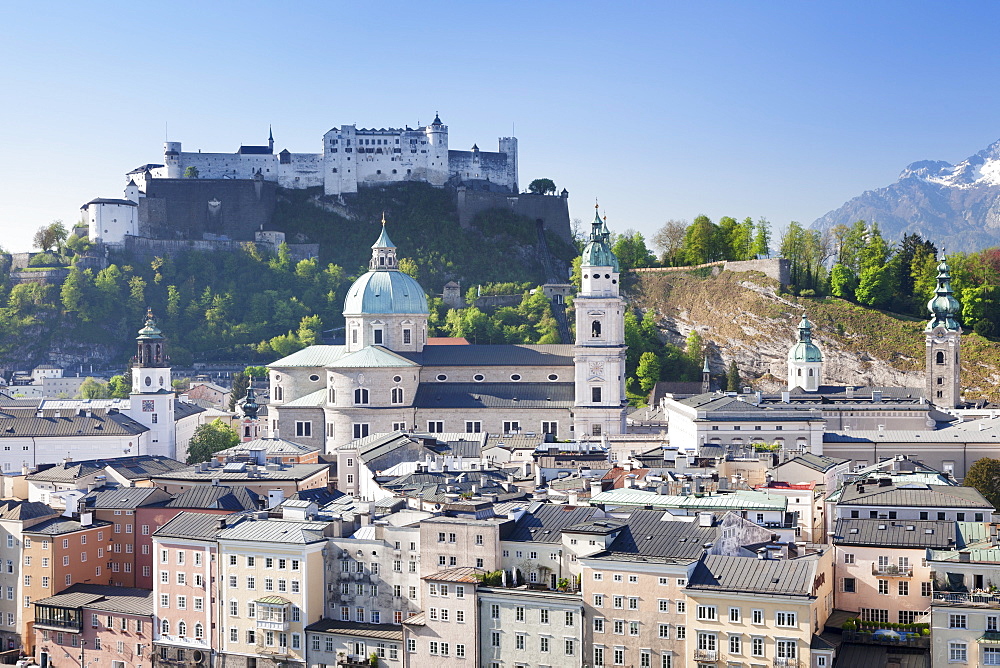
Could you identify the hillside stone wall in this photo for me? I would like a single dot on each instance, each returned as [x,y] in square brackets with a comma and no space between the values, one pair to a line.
[552,210]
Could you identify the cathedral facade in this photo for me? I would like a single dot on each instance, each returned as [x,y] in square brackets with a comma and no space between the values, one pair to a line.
[389,376]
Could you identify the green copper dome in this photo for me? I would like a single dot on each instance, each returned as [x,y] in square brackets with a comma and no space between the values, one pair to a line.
[598,253]
[150,331]
[943,306]
[385,289]
[805,350]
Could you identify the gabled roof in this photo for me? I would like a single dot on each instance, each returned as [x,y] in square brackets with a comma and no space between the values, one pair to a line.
[262,475]
[203,526]
[58,526]
[371,357]
[275,531]
[821,463]
[461,574]
[652,534]
[870,493]
[217,497]
[318,356]
[14,509]
[270,446]
[896,533]
[789,577]
[545,524]
[124,497]
[140,467]
[112,424]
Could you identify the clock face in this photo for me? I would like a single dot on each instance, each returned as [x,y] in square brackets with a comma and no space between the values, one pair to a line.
[147,406]
[596,371]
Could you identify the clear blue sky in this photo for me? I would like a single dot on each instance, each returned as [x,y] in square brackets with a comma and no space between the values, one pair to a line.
[661,110]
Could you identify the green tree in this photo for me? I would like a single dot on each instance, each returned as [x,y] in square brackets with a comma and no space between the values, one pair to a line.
[700,240]
[542,186]
[50,236]
[842,281]
[410,268]
[191,172]
[75,292]
[694,349]
[648,371]
[209,439]
[119,387]
[630,249]
[241,381]
[984,476]
[93,389]
[733,380]
[761,246]
[670,240]
[256,372]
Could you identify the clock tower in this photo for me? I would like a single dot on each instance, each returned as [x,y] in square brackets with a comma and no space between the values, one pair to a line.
[152,398]
[943,335]
[599,351]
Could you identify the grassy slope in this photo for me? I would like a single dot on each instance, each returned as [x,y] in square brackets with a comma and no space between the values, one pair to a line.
[744,311]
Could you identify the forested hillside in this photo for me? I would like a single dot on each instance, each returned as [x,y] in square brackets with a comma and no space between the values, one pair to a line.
[248,306]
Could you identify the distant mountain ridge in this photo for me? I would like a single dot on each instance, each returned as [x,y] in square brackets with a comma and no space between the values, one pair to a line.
[955,206]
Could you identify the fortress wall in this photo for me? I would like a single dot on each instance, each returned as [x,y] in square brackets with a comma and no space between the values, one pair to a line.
[147,249]
[187,209]
[552,210]
[481,166]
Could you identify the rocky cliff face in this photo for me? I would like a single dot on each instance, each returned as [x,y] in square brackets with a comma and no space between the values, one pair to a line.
[743,317]
[956,206]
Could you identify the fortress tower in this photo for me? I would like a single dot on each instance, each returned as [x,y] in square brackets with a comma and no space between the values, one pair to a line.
[599,351]
[943,336]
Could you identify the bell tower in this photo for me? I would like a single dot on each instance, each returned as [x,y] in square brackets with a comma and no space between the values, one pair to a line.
[943,336]
[152,398]
[599,350]
[805,361]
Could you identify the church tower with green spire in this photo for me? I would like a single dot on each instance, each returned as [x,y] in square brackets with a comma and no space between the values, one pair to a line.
[943,335]
[599,351]
[805,361]
[152,399]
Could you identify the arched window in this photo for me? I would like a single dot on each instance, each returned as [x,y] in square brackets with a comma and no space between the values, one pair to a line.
[810,372]
[799,372]
[333,396]
[361,396]
[595,328]
[149,354]
[940,357]
[397,395]
[182,629]
[199,631]
[164,628]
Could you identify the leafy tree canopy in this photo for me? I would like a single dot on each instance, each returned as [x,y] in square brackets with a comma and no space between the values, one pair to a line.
[542,186]
[984,475]
[209,439]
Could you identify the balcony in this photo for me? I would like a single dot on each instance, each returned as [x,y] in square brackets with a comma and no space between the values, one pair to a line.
[706,655]
[353,661]
[785,662]
[961,598]
[269,625]
[889,570]
[887,638]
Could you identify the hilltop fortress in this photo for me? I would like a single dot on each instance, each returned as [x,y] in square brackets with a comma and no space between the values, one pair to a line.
[350,157]
[213,200]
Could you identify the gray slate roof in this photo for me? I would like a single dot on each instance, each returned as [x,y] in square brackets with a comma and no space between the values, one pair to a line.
[821,463]
[896,533]
[754,576]
[518,396]
[140,467]
[270,446]
[286,472]
[217,497]
[106,598]
[124,497]
[647,536]
[275,531]
[545,523]
[61,525]
[915,495]
[112,424]
[494,355]
[13,509]
[357,629]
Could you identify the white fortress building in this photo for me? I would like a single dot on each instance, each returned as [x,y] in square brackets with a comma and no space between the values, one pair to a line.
[351,157]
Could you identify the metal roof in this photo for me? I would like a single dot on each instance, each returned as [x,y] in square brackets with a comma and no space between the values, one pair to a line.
[895,533]
[461,574]
[372,357]
[311,400]
[275,531]
[651,534]
[14,509]
[112,424]
[870,493]
[312,356]
[217,497]
[495,355]
[754,576]
[495,395]
[106,598]
[271,446]
[388,291]
[357,629]
[737,500]
[124,497]
[60,525]
[191,525]
[286,472]
[821,463]
[140,467]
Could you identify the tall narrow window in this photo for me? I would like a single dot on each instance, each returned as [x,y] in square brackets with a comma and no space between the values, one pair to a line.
[595,328]
[396,395]
[406,337]
[378,337]
[595,395]
[360,396]
[940,357]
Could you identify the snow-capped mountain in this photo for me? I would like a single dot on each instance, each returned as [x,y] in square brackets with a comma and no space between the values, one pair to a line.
[955,206]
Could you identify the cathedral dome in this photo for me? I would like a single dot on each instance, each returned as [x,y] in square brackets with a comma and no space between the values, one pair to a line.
[385,292]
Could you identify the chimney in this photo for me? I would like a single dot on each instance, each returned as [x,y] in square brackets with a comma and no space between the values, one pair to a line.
[572,497]
[964,556]
[762,554]
[216,481]
[595,487]
[275,497]
[706,519]
[785,397]
[876,395]
[850,391]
